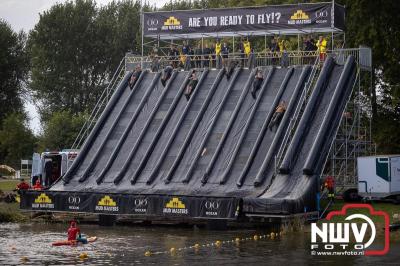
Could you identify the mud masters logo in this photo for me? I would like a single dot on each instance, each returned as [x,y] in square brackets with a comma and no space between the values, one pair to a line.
[107,203]
[355,235]
[175,206]
[43,201]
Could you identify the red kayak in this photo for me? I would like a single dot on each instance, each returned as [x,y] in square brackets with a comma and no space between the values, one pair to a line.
[72,242]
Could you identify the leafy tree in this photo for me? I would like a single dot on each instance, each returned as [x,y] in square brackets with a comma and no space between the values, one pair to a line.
[60,130]
[16,140]
[75,48]
[13,69]
[375,24]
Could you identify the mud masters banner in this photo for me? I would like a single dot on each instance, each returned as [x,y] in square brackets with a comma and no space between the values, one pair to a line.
[300,18]
[142,205]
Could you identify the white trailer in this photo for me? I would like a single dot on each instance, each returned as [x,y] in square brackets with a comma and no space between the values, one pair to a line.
[379,177]
[49,166]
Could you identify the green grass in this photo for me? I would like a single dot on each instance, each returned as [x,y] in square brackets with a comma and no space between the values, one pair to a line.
[8,185]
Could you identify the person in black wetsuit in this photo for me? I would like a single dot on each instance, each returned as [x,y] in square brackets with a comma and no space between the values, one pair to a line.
[167,72]
[230,68]
[191,86]
[258,80]
[278,115]
[135,76]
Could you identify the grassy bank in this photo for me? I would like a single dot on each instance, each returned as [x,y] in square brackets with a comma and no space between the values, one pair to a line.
[10,212]
[7,185]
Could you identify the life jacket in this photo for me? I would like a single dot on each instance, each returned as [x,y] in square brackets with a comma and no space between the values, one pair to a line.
[322,46]
[247,48]
[218,48]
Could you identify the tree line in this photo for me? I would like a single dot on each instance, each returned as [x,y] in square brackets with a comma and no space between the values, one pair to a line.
[67,59]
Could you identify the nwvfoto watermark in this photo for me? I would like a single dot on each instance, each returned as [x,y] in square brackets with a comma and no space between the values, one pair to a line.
[331,238]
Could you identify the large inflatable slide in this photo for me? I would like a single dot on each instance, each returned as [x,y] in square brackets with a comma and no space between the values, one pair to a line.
[154,153]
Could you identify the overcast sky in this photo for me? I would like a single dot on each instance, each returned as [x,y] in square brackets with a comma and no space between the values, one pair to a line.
[23,15]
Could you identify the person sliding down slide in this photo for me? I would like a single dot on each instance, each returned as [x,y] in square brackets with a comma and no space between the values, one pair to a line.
[135,76]
[74,234]
[277,117]
[167,72]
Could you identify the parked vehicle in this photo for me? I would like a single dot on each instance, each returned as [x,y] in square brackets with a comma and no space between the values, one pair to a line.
[50,166]
[379,177]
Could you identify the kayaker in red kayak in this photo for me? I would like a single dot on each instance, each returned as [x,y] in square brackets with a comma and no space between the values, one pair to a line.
[74,233]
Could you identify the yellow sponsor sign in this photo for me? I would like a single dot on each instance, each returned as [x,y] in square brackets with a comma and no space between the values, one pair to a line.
[175,203]
[107,203]
[43,198]
[172,21]
[299,14]
[43,201]
[175,206]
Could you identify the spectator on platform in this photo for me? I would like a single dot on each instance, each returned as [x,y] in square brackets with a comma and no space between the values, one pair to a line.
[285,59]
[206,56]
[135,76]
[191,85]
[218,59]
[309,44]
[278,115]
[155,63]
[225,54]
[247,47]
[187,60]
[198,52]
[173,54]
[241,52]
[251,61]
[258,80]
[321,45]
[185,48]
[154,51]
[309,47]
[274,47]
[166,75]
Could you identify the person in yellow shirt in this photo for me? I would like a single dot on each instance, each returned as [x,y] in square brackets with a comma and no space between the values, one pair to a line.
[218,59]
[281,45]
[321,45]
[247,47]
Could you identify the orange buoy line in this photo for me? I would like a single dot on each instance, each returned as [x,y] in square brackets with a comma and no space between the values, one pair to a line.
[218,243]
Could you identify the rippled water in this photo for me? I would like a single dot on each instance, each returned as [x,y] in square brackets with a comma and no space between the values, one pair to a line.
[126,245]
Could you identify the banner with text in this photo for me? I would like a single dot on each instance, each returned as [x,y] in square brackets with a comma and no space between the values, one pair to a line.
[142,205]
[285,18]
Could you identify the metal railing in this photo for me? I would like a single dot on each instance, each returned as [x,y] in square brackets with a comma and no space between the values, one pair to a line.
[99,106]
[363,57]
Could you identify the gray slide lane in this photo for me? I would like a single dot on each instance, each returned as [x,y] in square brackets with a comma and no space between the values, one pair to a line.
[194,149]
[219,127]
[280,186]
[130,99]
[261,137]
[123,168]
[121,120]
